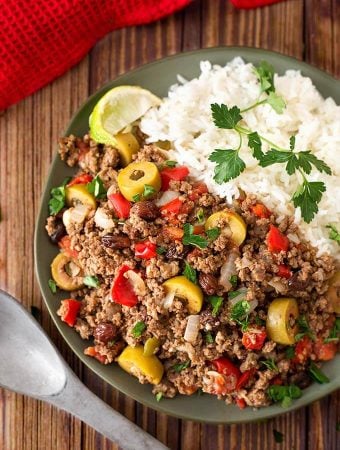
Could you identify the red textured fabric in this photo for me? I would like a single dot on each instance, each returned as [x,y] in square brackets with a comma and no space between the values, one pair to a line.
[41,39]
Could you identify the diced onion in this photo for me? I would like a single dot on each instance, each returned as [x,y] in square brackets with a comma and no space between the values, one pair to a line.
[76,214]
[74,269]
[112,189]
[102,219]
[294,238]
[136,282]
[191,330]
[253,305]
[241,296]
[277,285]
[245,262]
[167,197]
[227,270]
[168,300]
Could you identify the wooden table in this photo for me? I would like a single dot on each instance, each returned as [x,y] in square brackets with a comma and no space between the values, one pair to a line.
[308,30]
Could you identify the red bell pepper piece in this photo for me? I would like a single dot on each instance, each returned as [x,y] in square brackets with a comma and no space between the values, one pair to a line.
[173,207]
[145,250]
[244,378]
[284,271]
[198,189]
[120,205]
[91,351]
[65,245]
[231,372]
[277,241]
[122,292]
[81,179]
[241,403]
[253,338]
[260,211]
[303,350]
[69,309]
[173,173]
[248,4]
[325,351]
[198,229]
[277,381]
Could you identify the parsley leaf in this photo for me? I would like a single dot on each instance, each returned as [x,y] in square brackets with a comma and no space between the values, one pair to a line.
[52,285]
[233,280]
[334,334]
[284,394]
[290,352]
[255,143]
[96,187]
[160,250]
[138,329]
[276,102]
[307,198]
[148,191]
[216,303]
[334,233]
[91,281]
[179,367]
[200,215]
[278,436]
[228,165]
[316,374]
[224,117]
[265,74]
[270,364]
[274,156]
[170,163]
[234,294]
[136,197]
[209,338]
[304,329]
[292,143]
[190,273]
[307,160]
[57,200]
[192,239]
[213,233]
[240,313]
[159,396]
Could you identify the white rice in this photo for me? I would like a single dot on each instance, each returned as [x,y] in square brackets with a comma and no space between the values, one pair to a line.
[184,118]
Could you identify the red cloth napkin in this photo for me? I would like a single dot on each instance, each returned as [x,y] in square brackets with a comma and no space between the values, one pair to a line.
[41,39]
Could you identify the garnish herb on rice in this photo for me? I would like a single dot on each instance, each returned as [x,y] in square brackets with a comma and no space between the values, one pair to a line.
[334,233]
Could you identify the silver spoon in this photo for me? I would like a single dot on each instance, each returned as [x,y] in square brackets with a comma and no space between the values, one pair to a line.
[31,365]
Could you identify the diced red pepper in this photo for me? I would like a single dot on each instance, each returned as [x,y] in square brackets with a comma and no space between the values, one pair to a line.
[277,381]
[81,179]
[276,240]
[284,271]
[325,351]
[241,403]
[303,350]
[198,229]
[65,245]
[91,351]
[253,338]
[245,377]
[173,207]
[120,205]
[122,291]
[174,233]
[70,309]
[198,189]
[231,373]
[173,173]
[145,250]
[248,4]
[261,211]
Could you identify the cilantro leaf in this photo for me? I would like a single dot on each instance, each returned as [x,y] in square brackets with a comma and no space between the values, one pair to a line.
[138,329]
[91,281]
[148,191]
[292,143]
[228,165]
[224,117]
[190,273]
[278,436]
[255,143]
[307,198]
[159,396]
[240,313]
[213,233]
[96,187]
[52,285]
[307,159]
[334,233]
[57,200]
[216,303]
[270,364]
[265,74]
[179,367]
[276,102]
[316,374]
[284,394]
[192,239]
[209,338]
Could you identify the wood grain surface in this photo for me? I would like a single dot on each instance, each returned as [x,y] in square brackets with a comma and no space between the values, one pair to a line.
[308,30]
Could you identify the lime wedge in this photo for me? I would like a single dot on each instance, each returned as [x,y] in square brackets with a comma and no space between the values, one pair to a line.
[117,109]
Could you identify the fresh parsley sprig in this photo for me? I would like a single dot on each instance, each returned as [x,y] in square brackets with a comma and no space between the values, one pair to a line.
[334,233]
[189,238]
[240,313]
[138,329]
[189,272]
[57,200]
[181,366]
[96,187]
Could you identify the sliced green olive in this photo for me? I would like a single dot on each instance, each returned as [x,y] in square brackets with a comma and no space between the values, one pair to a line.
[127,145]
[232,220]
[79,194]
[62,273]
[133,179]
[133,361]
[333,293]
[184,288]
[281,320]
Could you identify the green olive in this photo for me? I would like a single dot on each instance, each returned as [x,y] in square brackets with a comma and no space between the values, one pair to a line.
[333,293]
[281,320]
[79,194]
[61,277]
[231,219]
[127,145]
[184,288]
[133,179]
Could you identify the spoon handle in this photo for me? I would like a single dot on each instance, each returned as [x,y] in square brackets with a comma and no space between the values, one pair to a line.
[82,403]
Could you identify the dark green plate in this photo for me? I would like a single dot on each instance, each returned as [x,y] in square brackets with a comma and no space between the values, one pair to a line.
[157,77]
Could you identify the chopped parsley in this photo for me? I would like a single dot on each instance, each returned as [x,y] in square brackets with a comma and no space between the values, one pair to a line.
[192,239]
[304,329]
[138,329]
[148,191]
[181,366]
[213,233]
[284,394]
[96,187]
[278,436]
[160,250]
[52,285]
[190,273]
[290,352]
[159,396]
[233,280]
[136,198]
[216,303]
[334,334]
[240,313]
[170,163]
[91,281]
[270,364]
[334,233]
[57,200]
[316,374]
[234,294]
[209,338]
[200,215]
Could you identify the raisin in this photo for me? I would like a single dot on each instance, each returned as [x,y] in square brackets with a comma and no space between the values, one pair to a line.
[105,332]
[146,210]
[116,241]
[208,283]
[58,232]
